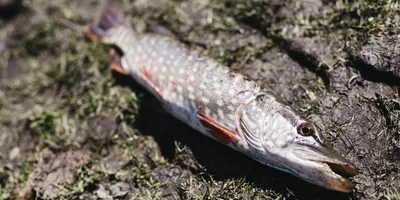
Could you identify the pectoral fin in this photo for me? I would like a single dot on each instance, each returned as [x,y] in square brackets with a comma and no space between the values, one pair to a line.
[221,133]
[116,64]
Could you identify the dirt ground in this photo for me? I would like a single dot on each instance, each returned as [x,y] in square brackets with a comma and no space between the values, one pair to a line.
[72,129]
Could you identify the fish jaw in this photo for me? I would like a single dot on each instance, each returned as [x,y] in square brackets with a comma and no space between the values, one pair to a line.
[330,174]
[327,168]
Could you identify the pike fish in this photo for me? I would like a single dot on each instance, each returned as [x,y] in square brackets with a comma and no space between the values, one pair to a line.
[223,105]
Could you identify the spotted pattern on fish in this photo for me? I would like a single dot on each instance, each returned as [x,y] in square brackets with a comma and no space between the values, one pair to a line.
[187,83]
[224,105]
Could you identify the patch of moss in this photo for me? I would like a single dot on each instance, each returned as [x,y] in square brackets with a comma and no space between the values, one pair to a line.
[41,39]
[49,126]
[85,183]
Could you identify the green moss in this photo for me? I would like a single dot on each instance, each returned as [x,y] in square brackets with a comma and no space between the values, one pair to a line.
[49,127]
[3,193]
[41,39]
[84,184]
[353,22]
[142,175]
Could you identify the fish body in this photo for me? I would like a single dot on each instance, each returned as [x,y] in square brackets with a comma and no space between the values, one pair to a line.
[194,89]
[224,105]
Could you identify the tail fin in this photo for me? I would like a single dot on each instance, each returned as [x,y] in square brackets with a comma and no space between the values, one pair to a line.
[97,32]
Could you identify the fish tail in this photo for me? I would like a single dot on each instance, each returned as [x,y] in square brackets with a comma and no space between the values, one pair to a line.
[98,32]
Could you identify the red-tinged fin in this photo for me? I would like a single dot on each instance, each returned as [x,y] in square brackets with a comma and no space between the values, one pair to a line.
[221,133]
[97,32]
[115,64]
[148,78]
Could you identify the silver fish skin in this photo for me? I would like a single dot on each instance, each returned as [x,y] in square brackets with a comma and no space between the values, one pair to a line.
[224,105]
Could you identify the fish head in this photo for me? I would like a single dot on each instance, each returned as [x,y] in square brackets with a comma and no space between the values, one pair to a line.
[278,136]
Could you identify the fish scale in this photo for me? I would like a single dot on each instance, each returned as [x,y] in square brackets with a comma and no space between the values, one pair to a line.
[224,105]
[220,87]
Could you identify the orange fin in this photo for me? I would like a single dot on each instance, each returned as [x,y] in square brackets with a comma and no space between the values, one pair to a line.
[115,64]
[221,133]
[87,30]
[148,77]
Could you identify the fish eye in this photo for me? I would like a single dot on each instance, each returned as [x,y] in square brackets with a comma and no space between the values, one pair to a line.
[305,129]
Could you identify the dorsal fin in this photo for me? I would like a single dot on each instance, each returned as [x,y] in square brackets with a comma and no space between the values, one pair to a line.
[155,28]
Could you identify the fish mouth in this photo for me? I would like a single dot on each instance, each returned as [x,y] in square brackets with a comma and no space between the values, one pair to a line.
[343,169]
[330,168]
